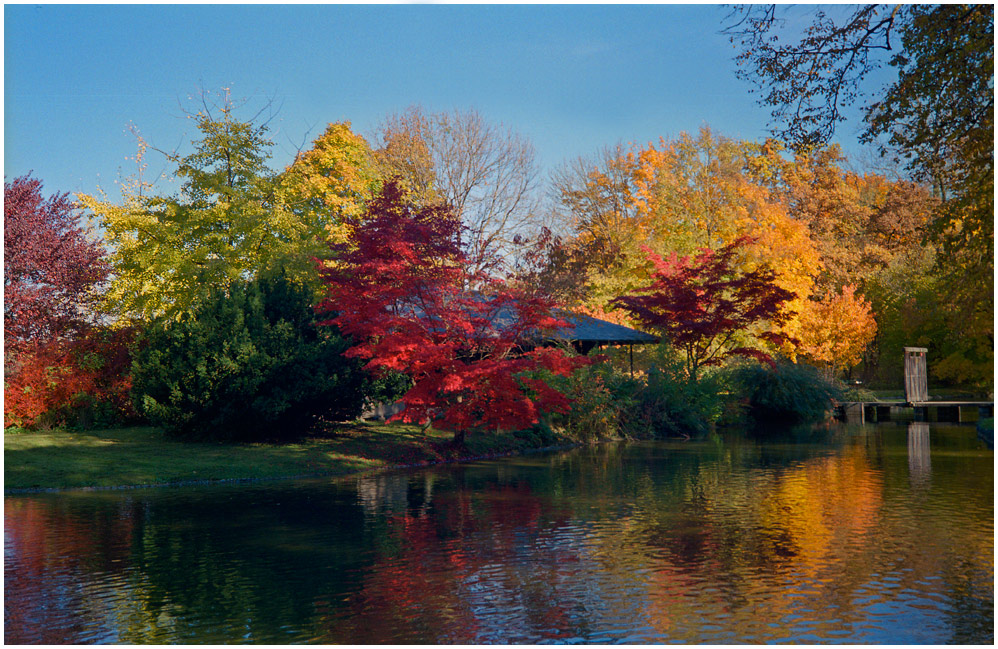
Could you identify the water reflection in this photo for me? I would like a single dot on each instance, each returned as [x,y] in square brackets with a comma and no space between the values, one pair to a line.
[823,536]
[919,454]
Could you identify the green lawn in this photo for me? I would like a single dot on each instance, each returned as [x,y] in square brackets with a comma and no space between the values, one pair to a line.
[145,456]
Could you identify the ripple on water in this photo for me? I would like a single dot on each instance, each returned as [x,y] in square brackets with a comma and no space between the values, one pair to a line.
[738,542]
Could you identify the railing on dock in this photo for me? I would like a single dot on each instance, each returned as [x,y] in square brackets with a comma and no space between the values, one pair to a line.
[949,411]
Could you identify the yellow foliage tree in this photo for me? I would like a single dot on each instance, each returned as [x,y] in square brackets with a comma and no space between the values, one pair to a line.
[233,217]
[703,192]
[332,181]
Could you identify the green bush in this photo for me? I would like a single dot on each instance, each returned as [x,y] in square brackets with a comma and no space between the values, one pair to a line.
[607,403]
[387,388]
[855,393]
[247,364]
[672,404]
[789,393]
[601,397]
[539,435]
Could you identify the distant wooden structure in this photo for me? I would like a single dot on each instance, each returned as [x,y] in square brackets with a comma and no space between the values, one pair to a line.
[586,332]
[919,454]
[582,332]
[916,386]
[917,404]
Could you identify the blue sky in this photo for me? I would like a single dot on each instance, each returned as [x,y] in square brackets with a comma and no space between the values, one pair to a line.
[571,78]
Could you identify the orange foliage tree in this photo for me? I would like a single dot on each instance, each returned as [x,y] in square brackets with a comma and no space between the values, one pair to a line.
[836,329]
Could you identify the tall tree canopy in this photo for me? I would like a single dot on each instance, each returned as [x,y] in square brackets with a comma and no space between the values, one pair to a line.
[938,114]
[233,217]
[332,181]
[944,55]
[836,330]
[51,266]
[818,226]
[486,172]
[679,196]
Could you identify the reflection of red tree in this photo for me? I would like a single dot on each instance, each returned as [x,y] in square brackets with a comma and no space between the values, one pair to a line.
[512,506]
[413,589]
[689,547]
[50,556]
[460,564]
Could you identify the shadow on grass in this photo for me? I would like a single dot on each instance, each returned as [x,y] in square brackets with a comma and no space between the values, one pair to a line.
[143,456]
[146,456]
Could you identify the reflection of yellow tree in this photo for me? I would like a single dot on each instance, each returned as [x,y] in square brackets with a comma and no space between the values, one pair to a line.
[805,528]
[820,518]
[821,507]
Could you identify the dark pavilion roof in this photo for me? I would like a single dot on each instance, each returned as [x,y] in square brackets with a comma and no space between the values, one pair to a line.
[586,329]
[582,329]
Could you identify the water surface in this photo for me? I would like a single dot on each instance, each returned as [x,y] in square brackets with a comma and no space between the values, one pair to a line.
[876,534]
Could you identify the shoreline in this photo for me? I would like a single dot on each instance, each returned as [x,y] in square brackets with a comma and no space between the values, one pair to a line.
[348,466]
[313,476]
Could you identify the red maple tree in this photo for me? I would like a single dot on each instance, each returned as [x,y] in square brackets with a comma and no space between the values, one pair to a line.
[50,266]
[703,304]
[399,286]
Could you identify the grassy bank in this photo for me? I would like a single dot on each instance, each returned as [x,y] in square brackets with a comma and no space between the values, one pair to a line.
[145,456]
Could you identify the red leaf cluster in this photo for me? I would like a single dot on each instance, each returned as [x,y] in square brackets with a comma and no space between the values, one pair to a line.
[702,303]
[60,377]
[399,287]
[49,264]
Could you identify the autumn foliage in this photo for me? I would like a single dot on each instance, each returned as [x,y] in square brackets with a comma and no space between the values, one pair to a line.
[399,286]
[58,368]
[50,266]
[707,308]
[836,329]
[71,381]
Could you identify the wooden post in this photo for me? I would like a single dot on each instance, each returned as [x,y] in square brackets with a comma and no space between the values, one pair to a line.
[854,413]
[916,388]
[630,349]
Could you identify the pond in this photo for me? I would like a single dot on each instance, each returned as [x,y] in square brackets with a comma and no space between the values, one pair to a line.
[874,534]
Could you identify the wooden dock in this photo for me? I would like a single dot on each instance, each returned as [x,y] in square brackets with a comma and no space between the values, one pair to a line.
[933,411]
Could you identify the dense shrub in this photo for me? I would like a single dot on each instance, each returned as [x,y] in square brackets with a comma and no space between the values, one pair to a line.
[786,393]
[608,403]
[36,382]
[386,388]
[246,364]
[81,382]
[673,404]
[602,399]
